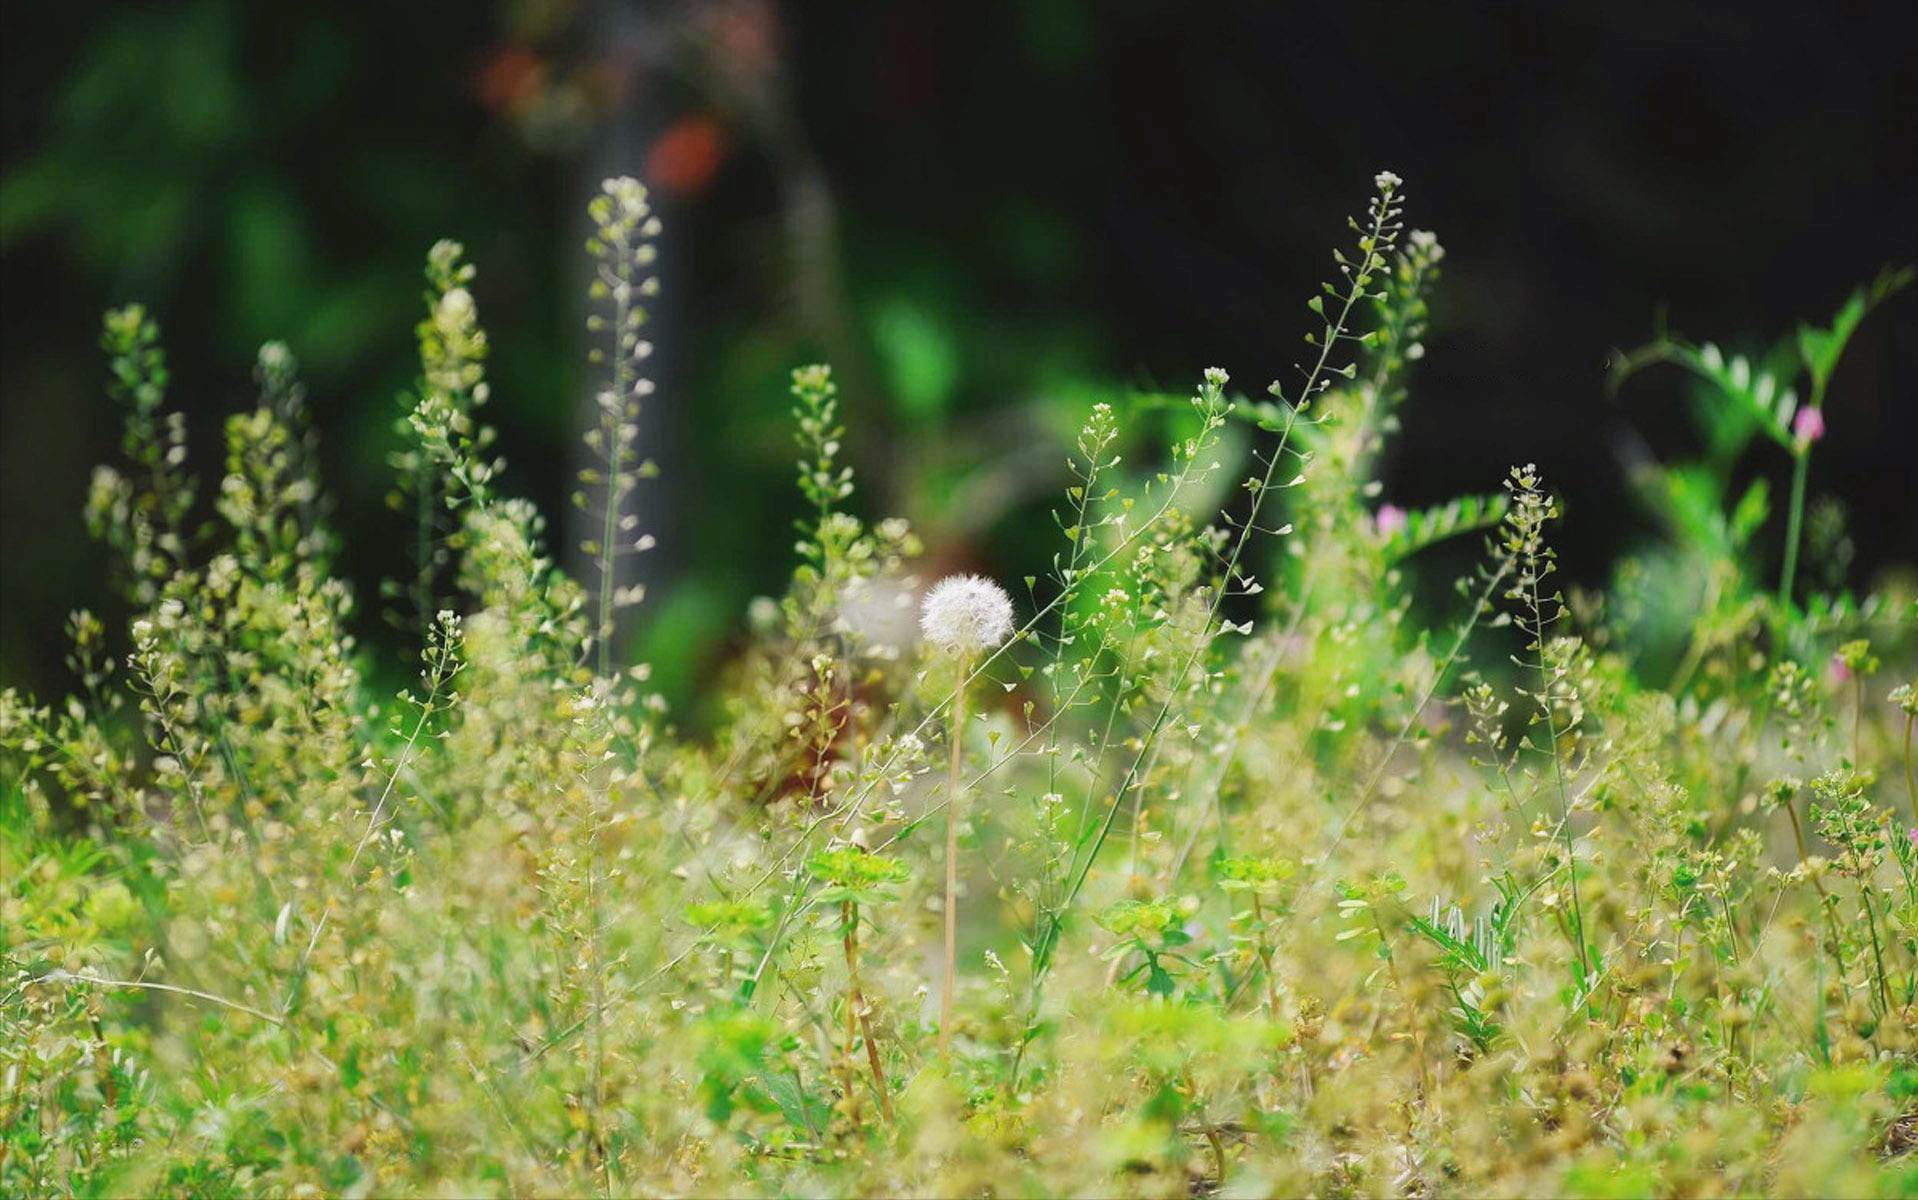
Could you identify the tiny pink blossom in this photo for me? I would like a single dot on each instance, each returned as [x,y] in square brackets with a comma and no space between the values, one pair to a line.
[1390,520]
[1808,426]
[1836,672]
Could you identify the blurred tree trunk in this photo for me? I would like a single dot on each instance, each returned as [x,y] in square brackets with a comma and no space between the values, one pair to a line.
[634,39]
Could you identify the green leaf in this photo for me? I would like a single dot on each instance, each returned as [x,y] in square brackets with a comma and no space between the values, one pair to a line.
[1822,349]
[1429,526]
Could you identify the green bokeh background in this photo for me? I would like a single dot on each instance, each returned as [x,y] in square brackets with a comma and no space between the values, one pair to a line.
[987,217]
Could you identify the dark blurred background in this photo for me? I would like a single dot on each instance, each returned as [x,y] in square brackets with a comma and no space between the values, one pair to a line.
[987,216]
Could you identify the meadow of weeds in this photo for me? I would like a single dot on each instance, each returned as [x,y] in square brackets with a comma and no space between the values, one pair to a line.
[1190,863]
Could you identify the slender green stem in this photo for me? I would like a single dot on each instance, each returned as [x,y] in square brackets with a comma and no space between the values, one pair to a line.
[599,1003]
[1265,960]
[1794,521]
[1877,954]
[1564,795]
[144,985]
[1372,244]
[1857,716]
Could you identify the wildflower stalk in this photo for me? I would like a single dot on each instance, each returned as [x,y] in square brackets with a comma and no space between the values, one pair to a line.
[1826,901]
[596,969]
[1265,960]
[624,227]
[1480,605]
[441,662]
[1412,1029]
[1095,439]
[1877,954]
[856,1010]
[1525,524]
[1794,520]
[1373,244]
[1564,800]
[1808,426]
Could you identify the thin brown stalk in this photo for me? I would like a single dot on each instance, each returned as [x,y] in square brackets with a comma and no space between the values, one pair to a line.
[952,860]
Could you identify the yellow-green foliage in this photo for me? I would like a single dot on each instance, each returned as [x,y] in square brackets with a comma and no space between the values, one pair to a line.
[1266,889]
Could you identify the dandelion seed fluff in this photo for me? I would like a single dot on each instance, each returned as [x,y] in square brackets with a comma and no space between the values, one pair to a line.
[965,613]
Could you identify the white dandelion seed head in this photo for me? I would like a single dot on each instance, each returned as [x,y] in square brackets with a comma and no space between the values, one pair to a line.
[964,613]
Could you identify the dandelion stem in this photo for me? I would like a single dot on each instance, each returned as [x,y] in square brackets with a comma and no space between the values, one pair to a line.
[952,859]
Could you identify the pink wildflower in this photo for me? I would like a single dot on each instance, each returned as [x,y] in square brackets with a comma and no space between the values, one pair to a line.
[1808,426]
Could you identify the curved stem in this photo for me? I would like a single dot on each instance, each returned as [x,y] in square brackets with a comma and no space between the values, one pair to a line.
[145,985]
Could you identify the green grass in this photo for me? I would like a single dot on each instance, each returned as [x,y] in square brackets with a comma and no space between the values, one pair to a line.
[1262,886]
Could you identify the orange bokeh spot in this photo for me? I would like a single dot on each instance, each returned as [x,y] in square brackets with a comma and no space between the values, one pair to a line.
[511,79]
[685,158]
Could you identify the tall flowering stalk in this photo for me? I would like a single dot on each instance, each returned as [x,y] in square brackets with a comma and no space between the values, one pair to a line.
[963,614]
[853,877]
[1522,538]
[622,246]
[445,465]
[1378,236]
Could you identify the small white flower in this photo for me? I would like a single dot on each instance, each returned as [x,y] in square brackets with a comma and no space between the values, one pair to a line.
[275,357]
[763,614]
[1216,376]
[1387,181]
[964,613]
[456,308]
